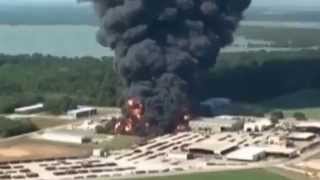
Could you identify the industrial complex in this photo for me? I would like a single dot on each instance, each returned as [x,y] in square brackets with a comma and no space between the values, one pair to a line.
[212,143]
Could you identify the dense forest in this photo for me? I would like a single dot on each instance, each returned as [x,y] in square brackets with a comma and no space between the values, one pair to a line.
[259,76]
[63,82]
[59,82]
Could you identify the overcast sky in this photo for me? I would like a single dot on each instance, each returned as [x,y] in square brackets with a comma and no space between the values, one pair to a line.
[255,2]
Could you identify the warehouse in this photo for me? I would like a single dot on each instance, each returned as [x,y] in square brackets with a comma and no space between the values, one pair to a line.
[177,155]
[29,109]
[247,154]
[281,151]
[313,126]
[212,147]
[82,112]
[302,136]
[68,136]
[215,125]
[258,125]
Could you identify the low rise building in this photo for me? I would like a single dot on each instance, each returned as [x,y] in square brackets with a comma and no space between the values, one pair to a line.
[247,154]
[301,136]
[212,146]
[277,150]
[217,124]
[29,109]
[313,126]
[99,153]
[178,155]
[82,112]
[278,140]
[257,125]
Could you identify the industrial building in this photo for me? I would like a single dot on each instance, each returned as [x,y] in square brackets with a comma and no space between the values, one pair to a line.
[68,136]
[82,112]
[215,125]
[247,154]
[313,126]
[278,140]
[276,150]
[302,136]
[257,125]
[212,146]
[177,155]
[29,109]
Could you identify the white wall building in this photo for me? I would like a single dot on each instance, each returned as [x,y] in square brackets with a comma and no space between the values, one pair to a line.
[247,154]
[217,124]
[176,155]
[257,125]
[82,112]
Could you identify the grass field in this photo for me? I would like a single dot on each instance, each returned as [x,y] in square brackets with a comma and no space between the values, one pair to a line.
[43,123]
[257,174]
[289,174]
[307,101]
[120,142]
[26,148]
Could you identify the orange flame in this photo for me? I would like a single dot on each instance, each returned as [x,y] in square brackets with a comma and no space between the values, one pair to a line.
[135,114]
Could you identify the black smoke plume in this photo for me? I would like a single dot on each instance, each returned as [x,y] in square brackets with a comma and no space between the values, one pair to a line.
[164,48]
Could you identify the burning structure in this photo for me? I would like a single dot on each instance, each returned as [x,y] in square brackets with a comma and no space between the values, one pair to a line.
[163,50]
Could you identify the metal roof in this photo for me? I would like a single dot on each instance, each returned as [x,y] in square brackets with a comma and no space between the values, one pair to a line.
[246,153]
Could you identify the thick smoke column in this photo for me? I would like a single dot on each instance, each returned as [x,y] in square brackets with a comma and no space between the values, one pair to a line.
[164,47]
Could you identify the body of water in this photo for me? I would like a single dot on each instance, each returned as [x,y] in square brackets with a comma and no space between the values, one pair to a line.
[280,24]
[58,40]
[80,40]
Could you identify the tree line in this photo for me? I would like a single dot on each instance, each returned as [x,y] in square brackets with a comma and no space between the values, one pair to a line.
[59,82]
[62,83]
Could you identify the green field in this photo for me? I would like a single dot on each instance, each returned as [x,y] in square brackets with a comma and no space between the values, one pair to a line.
[257,174]
[120,142]
[44,123]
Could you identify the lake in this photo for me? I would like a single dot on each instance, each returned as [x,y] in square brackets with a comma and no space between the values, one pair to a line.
[80,40]
[59,40]
[281,24]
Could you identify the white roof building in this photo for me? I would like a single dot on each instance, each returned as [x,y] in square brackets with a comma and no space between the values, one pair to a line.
[177,155]
[247,154]
[29,109]
[301,136]
[281,151]
[213,146]
[308,125]
[217,124]
[257,125]
[82,112]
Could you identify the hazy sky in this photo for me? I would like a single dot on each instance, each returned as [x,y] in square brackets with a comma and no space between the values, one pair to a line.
[255,2]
